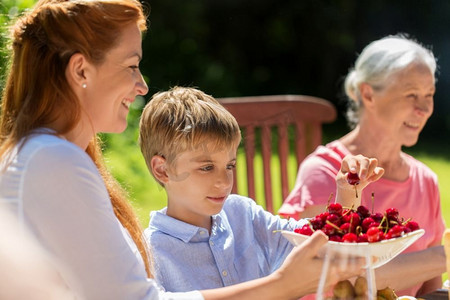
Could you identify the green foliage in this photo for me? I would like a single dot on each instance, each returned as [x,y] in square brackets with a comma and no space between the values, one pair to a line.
[9,10]
[124,158]
[438,160]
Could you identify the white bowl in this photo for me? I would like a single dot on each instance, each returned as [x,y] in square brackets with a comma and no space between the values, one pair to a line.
[381,252]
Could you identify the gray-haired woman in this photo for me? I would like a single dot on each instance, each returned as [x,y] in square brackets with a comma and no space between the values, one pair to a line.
[390,92]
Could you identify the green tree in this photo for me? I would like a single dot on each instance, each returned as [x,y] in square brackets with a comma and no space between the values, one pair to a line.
[9,10]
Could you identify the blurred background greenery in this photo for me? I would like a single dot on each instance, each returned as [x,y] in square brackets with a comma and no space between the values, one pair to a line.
[262,47]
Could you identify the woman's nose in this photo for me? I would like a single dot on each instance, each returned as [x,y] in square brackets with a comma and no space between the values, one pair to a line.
[424,107]
[141,86]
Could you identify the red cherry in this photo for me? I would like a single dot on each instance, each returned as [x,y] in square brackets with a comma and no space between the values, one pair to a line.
[349,238]
[323,216]
[346,218]
[352,178]
[412,225]
[329,229]
[365,224]
[377,217]
[363,211]
[335,208]
[358,225]
[345,228]
[335,238]
[334,218]
[355,219]
[392,213]
[374,234]
[316,223]
[395,231]
[362,238]
[305,229]
[374,224]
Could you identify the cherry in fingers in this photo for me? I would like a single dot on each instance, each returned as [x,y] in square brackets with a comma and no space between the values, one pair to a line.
[353,179]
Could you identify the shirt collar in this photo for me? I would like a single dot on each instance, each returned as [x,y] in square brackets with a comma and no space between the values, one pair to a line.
[179,229]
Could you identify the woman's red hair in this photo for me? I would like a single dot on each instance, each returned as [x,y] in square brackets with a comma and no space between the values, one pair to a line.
[37,93]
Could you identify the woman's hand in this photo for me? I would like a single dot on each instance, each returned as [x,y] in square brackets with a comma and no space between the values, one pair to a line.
[367,171]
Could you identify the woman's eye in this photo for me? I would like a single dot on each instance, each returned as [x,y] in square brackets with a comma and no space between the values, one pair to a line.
[412,96]
[134,68]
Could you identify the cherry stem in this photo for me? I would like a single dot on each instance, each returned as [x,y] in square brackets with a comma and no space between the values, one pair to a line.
[333,225]
[346,212]
[358,230]
[405,222]
[329,199]
[311,226]
[373,202]
[385,219]
[349,209]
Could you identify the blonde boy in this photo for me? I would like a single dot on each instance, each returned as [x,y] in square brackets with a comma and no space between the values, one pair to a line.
[205,238]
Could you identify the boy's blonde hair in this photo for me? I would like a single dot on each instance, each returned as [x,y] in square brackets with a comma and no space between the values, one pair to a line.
[184,119]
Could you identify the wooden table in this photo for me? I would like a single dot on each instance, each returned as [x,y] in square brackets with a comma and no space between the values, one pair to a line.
[440,294]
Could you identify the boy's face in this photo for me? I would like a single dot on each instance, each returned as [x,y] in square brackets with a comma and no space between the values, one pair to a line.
[198,183]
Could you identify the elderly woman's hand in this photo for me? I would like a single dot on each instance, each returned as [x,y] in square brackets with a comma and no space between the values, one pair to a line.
[356,172]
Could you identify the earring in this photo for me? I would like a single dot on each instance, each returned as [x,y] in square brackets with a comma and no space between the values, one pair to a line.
[84,85]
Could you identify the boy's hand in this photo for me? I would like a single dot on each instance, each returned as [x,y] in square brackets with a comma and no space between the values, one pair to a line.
[302,268]
[367,170]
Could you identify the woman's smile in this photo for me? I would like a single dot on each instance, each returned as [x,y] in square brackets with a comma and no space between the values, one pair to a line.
[127,103]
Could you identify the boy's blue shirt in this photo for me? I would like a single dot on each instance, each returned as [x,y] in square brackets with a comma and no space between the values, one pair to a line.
[242,246]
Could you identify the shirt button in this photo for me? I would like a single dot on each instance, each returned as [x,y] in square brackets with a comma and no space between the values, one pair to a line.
[211,243]
[224,273]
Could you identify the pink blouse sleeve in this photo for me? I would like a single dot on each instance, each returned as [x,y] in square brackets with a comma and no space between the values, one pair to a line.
[314,184]
[439,224]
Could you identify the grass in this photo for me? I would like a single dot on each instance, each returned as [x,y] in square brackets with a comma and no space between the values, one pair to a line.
[441,166]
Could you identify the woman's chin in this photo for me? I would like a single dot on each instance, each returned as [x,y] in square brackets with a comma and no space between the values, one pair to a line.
[410,143]
[119,128]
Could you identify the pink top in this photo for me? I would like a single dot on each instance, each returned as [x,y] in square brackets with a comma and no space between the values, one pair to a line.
[417,197]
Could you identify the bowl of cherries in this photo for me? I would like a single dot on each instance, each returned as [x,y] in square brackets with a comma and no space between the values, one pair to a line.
[359,232]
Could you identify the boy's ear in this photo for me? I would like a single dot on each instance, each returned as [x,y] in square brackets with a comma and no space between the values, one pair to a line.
[159,168]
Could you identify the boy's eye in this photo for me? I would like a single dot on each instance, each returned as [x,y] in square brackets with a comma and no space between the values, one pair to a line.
[206,168]
[231,166]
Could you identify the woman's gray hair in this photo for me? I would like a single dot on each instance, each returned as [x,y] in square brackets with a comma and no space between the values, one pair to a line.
[378,62]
